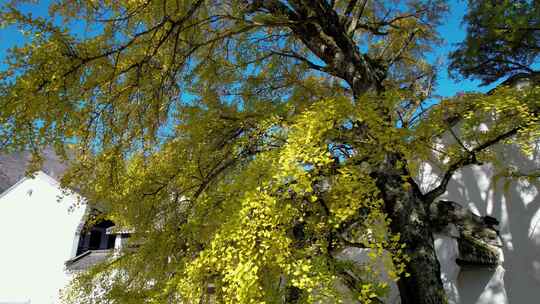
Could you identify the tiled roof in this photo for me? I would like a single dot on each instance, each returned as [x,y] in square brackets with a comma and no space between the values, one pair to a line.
[476,252]
[88,259]
[13,167]
[478,239]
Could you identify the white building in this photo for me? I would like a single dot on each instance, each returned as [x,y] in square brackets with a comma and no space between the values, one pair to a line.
[515,278]
[43,239]
[38,234]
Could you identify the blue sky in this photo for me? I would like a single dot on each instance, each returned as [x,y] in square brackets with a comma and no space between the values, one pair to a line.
[11,36]
[451,30]
[454,32]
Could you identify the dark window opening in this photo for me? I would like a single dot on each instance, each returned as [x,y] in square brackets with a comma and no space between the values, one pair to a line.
[95,240]
[110,241]
[96,237]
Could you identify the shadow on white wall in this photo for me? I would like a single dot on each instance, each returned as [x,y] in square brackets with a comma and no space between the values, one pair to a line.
[516,205]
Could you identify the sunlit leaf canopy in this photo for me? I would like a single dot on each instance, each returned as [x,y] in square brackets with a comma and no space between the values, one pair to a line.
[238,139]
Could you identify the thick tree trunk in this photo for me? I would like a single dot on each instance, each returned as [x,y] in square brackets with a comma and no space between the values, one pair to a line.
[410,219]
[424,285]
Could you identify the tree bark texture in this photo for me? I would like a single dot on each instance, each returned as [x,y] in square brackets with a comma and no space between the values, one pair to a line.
[410,218]
[320,29]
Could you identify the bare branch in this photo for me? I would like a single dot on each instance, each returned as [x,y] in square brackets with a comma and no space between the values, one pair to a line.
[309,63]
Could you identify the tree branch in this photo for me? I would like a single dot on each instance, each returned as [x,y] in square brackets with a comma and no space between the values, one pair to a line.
[308,62]
[468,159]
[321,30]
[403,48]
[350,7]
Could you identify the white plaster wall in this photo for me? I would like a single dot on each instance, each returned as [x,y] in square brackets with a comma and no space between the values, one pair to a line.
[516,204]
[447,251]
[37,236]
[361,256]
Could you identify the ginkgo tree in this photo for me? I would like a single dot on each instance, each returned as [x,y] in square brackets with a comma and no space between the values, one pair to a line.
[247,143]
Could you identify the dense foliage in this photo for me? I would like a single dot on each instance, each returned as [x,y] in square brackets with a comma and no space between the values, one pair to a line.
[503,38]
[248,143]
